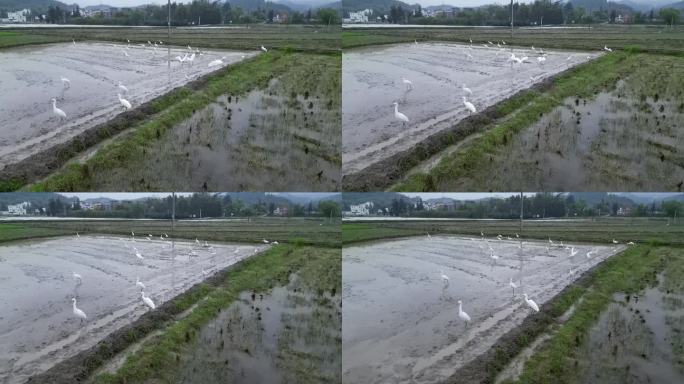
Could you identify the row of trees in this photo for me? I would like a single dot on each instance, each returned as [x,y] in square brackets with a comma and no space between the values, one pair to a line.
[538,12]
[542,205]
[196,12]
[195,206]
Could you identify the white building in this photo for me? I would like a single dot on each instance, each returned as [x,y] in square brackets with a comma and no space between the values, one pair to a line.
[18,209]
[18,16]
[360,209]
[360,16]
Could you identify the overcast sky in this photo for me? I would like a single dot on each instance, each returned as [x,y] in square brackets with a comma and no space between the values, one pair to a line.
[121,3]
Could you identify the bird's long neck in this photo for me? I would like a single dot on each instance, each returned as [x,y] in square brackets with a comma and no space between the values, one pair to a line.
[459,307]
[74,304]
[396,108]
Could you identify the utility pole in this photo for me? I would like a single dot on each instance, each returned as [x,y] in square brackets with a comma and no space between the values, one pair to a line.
[511,19]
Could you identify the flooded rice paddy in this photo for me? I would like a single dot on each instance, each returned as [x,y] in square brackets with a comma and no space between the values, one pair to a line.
[607,142]
[233,143]
[372,81]
[94,70]
[38,328]
[639,338]
[401,324]
[287,335]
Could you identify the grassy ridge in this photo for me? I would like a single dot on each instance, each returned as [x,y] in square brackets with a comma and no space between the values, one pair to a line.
[179,105]
[157,358]
[16,39]
[602,230]
[521,111]
[292,230]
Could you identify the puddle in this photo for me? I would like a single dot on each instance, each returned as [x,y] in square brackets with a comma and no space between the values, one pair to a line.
[638,339]
[605,143]
[268,139]
[288,335]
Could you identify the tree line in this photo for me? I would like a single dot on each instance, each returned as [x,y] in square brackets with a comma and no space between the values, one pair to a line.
[541,205]
[203,12]
[196,206]
[536,13]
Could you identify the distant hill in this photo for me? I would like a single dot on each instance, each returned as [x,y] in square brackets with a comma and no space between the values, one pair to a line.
[590,4]
[380,199]
[679,5]
[253,5]
[31,197]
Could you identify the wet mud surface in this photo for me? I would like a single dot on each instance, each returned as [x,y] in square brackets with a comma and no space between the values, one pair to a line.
[400,322]
[372,81]
[638,339]
[288,335]
[39,329]
[31,76]
[234,142]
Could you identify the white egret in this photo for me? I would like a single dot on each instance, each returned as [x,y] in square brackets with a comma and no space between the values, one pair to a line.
[589,253]
[531,303]
[615,241]
[77,277]
[469,105]
[264,241]
[137,254]
[123,87]
[631,243]
[147,300]
[466,90]
[398,115]
[275,242]
[462,315]
[605,48]
[77,235]
[139,283]
[512,285]
[445,278]
[408,82]
[217,62]
[56,110]
[78,312]
[74,42]
[66,83]
[573,252]
[264,49]
[124,103]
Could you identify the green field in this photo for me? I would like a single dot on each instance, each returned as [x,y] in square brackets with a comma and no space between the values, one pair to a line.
[647,38]
[296,37]
[300,231]
[599,230]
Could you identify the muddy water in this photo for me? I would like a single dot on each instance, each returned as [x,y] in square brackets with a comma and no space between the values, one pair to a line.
[268,139]
[289,335]
[400,323]
[609,141]
[37,326]
[30,77]
[372,81]
[638,339]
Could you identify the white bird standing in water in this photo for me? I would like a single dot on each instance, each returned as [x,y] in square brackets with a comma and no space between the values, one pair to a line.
[531,303]
[56,110]
[147,300]
[124,103]
[398,115]
[137,254]
[65,82]
[467,90]
[77,277]
[139,283]
[615,241]
[264,49]
[123,87]
[469,105]
[78,312]
[462,315]
[605,48]
[573,252]
[512,285]
[445,278]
